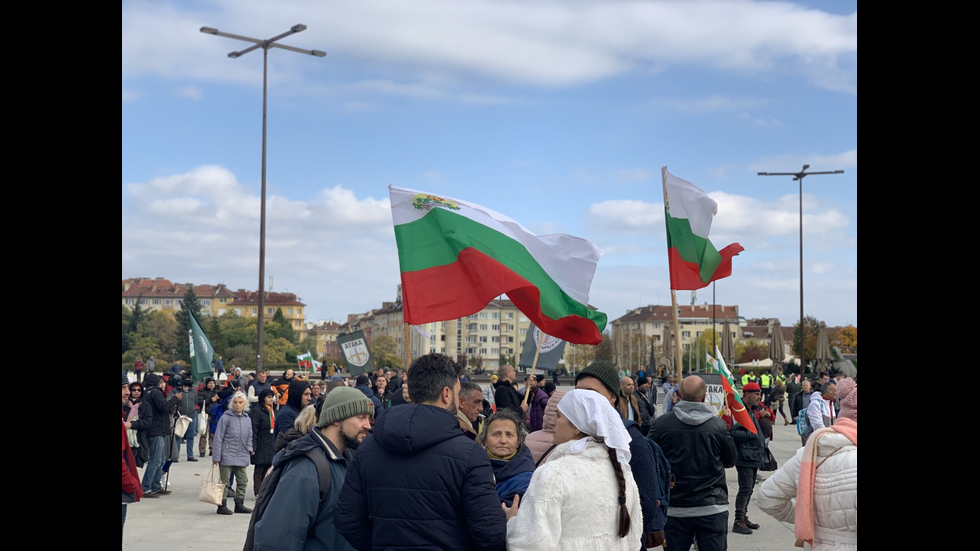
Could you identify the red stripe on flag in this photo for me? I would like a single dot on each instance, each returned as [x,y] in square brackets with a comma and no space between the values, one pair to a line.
[469,284]
[739,412]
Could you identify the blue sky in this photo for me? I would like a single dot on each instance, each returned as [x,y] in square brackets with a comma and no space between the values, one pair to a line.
[559,114]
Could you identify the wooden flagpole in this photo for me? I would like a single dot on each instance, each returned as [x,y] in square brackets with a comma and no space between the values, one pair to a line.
[408,342]
[673,295]
[534,363]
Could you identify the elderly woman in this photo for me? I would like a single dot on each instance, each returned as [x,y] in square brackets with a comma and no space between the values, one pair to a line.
[816,489]
[584,497]
[503,438]
[263,422]
[233,448]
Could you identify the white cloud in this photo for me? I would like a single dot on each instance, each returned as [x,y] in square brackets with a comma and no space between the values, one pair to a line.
[545,44]
[431,175]
[334,250]
[818,162]
[189,92]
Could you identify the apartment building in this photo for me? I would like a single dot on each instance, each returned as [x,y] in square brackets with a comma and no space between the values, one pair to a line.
[162,295]
[642,329]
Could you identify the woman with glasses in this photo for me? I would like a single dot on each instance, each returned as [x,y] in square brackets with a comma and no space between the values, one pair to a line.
[141,421]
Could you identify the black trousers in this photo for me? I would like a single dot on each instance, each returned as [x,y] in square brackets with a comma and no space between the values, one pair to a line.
[746,483]
[711,532]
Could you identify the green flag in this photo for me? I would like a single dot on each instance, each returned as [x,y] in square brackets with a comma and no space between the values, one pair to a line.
[200,348]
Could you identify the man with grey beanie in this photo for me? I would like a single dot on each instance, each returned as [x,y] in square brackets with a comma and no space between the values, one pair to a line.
[345,421]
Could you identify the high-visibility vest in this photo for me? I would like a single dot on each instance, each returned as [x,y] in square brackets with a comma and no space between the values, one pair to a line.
[745,379]
[766,380]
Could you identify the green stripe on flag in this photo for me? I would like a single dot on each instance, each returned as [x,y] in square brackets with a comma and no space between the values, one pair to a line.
[692,247]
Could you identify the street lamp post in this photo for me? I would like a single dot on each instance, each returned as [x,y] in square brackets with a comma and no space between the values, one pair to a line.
[265,45]
[798,176]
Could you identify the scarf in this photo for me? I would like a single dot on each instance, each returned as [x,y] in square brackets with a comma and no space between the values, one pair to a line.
[590,412]
[808,474]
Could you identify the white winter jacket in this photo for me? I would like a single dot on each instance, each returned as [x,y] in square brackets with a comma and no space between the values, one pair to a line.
[834,494]
[572,504]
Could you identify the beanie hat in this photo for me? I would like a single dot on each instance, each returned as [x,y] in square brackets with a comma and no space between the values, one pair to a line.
[125,380]
[361,380]
[848,393]
[606,373]
[539,378]
[342,403]
[494,378]
[751,387]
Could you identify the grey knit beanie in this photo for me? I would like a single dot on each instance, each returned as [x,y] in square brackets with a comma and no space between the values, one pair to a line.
[343,402]
[606,373]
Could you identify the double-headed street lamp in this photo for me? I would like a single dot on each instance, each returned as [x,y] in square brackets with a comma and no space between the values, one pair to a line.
[798,176]
[265,45]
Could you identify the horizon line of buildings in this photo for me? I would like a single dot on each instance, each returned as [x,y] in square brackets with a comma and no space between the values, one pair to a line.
[498,329]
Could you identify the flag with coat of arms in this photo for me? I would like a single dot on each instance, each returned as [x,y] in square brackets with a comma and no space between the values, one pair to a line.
[739,413]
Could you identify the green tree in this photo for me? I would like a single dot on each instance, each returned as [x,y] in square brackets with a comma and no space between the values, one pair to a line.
[753,350]
[189,303]
[810,327]
[281,327]
[127,314]
[384,349]
[603,351]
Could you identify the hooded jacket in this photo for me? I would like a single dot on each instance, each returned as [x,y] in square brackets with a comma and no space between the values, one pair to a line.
[158,404]
[699,448]
[369,392]
[263,419]
[419,483]
[294,403]
[513,475]
[295,517]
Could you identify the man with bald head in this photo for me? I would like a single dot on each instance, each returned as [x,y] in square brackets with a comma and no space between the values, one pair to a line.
[699,447]
[628,408]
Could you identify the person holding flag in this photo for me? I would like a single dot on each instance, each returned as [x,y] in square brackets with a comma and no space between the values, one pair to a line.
[751,454]
[735,407]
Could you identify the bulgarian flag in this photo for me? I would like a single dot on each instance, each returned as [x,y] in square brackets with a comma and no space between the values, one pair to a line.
[694,261]
[456,257]
[304,361]
[734,401]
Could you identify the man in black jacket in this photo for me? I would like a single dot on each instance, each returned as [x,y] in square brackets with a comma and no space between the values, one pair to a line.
[751,455]
[505,395]
[699,448]
[158,433]
[418,482]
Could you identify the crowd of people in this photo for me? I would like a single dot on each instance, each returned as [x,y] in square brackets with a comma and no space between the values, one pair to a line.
[426,459]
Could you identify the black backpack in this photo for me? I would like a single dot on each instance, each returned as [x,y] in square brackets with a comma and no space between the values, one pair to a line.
[270,482]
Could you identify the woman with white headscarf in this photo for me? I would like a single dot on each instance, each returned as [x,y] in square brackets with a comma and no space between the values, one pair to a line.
[584,497]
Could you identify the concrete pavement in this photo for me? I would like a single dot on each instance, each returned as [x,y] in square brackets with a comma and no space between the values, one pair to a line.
[179,521]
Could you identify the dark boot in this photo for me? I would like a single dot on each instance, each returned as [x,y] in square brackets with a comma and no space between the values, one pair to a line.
[223,508]
[751,524]
[740,527]
[240,506]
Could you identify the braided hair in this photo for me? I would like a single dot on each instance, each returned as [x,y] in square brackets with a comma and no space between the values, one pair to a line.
[624,514]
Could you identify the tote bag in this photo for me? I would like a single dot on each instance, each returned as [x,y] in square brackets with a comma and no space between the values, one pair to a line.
[212,490]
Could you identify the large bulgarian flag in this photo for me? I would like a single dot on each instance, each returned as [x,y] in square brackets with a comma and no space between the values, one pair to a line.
[694,261]
[734,401]
[456,257]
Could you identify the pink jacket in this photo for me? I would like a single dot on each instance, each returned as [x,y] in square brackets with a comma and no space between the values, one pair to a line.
[540,441]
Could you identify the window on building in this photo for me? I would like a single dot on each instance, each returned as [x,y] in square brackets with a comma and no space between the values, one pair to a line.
[270,311]
[296,324]
[471,327]
[442,338]
[483,315]
[442,350]
[206,302]
[495,351]
[255,311]
[495,315]
[221,311]
[222,300]
[483,339]
[509,316]
[471,351]
[167,302]
[442,325]
[495,328]
[238,311]
[510,328]
[483,351]
[156,301]
[495,339]
[471,338]
[523,331]
[178,301]
[700,333]
[130,301]
[471,317]
[289,311]
[144,301]
[299,311]
[686,334]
